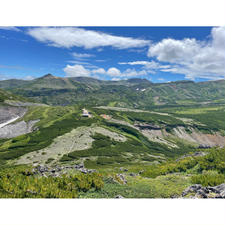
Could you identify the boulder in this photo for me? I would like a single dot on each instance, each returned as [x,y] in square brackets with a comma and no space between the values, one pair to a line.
[122,178]
[198,191]
[119,196]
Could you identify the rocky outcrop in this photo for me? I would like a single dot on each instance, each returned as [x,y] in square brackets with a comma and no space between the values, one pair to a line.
[8,113]
[195,154]
[203,140]
[147,126]
[17,129]
[122,178]
[193,136]
[57,171]
[198,191]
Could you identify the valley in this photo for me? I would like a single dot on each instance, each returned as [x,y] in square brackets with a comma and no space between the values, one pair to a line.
[135,144]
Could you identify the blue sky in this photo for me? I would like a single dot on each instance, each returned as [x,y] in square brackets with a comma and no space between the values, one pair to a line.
[160,54]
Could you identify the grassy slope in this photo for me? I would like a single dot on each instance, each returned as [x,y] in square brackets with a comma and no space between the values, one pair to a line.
[135,154]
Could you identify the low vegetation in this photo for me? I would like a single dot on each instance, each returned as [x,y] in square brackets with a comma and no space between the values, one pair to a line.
[20,182]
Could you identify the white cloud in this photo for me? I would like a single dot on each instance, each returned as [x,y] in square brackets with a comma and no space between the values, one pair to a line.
[146,64]
[193,58]
[78,62]
[68,37]
[116,78]
[28,77]
[76,71]
[99,71]
[134,73]
[173,51]
[113,72]
[149,67]
[81,55]
[9,28]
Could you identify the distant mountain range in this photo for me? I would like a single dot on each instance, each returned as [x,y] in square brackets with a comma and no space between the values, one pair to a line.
[135,93]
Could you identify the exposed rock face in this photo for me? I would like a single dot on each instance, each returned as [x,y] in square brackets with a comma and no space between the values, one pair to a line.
[198,191]
[8,113]
[206,140]
[17,129]
[147,126]
[159,134]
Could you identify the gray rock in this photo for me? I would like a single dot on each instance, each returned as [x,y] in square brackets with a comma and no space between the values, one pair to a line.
[80,166]
[123,169]
[133,174]
[198,191]
[119,196]
[122,178]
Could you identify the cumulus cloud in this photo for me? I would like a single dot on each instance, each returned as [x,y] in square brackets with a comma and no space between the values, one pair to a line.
[174,51]
[194,59]
[99,71]
[113,72]
[76,71]
[68,37]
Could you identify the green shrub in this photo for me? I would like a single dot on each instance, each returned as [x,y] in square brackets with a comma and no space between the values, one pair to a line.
[210,178]
[20,182]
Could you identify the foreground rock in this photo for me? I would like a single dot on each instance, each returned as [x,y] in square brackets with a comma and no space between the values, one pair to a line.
[57,171]
[198,191]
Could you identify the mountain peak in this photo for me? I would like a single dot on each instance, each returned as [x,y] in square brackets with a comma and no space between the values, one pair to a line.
[49,75]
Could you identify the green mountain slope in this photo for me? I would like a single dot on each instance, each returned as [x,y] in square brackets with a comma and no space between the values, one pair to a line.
[172,146]
[6,95]
[134,93]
